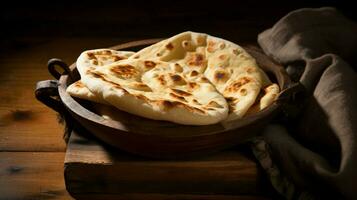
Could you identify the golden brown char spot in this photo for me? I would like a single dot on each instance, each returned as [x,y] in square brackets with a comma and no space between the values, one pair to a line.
[91,56]
[94,62]
[192,85]
[158,54]
[142,87]
[204,79]
[162,79]
[124,71]
[106,52]
[211,46]
[211,43]
[222,45]
[169,46]
[196,60]
[101,76]
[79,84]
[220,76]
[200,40]
[193,73]
[180,92]
[243,92]
[167,104]
[214,104]
[177,97]
[142,97]
[117,58]
[196,102]
[251,70]
[222,57]
[95,74]
[236,85]
[236,51]
[137,56]
[178,68]
[149,64]
[177,79]
[172,104]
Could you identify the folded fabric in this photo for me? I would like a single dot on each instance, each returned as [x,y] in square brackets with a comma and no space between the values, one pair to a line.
[315,155]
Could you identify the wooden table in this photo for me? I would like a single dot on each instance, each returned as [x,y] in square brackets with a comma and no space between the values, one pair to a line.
[31,146]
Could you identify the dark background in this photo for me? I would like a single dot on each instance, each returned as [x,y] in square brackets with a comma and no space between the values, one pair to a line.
[229,19]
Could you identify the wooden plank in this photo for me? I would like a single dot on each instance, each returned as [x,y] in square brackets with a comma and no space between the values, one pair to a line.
[27,175]
[95,169]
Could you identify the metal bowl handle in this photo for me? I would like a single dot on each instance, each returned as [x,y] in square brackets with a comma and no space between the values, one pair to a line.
[53,63]
[47,93]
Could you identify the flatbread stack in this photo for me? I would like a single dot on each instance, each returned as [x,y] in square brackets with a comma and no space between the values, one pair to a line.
[190,78]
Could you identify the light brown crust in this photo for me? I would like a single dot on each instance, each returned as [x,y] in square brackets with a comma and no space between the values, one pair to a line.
[162,80]
[117,58]
[172,104]
[169,46]
[124,71]
[149,64]
[177,79]
[193,85]
[250,70]
[211,46]
[193,73]
[103,78]
[220,76]
[178,68]
[196,59]
[236,85]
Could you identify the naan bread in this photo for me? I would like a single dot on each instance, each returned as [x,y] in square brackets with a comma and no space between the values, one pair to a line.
[233,72]
[190,78]
[79,90]
[158,90]
[97,58]
[93,59]
[265,98]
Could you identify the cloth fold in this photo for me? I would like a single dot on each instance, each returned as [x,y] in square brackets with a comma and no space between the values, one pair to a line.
[316,153]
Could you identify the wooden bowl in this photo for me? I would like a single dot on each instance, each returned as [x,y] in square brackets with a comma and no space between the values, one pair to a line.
[160,139]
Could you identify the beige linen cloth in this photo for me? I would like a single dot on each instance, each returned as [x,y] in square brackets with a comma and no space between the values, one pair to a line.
[314,155]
